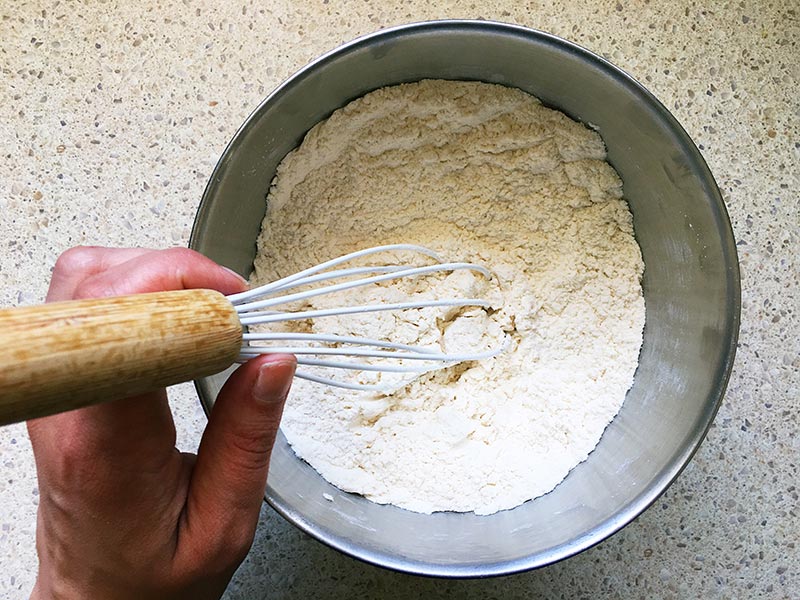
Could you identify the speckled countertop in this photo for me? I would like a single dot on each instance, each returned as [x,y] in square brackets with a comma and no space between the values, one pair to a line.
[112,116]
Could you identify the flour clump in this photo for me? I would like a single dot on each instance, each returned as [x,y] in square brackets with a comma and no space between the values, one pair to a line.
[480,173]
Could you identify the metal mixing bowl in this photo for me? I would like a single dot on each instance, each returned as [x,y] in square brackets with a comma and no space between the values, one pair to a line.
[691,288]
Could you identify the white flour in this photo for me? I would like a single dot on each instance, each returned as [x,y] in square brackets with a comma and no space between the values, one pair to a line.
[480,173]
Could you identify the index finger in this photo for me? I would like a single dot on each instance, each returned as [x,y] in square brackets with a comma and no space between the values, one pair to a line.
[161,270]
[81,262]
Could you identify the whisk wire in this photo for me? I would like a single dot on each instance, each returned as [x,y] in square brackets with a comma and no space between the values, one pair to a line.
[336,351]
[360,387]
[328,275]
[360,366]
[259,291]
[251,304]
[330,289]
[276,317]
[331,338]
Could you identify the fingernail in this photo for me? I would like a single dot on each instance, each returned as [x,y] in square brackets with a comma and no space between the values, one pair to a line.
[232,272]
[274,380]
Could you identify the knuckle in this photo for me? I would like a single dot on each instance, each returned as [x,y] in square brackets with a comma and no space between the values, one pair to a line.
[223,553]
[238,543]
[74,460]
[77,259]
[72,453]
[180,255]
[249,451]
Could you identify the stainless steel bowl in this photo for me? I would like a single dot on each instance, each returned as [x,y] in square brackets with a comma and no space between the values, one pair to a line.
[691,288]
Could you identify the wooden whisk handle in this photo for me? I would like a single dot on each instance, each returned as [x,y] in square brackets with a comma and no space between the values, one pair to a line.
[65,355]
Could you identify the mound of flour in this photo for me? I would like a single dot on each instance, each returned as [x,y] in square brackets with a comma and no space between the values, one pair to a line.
[486,174]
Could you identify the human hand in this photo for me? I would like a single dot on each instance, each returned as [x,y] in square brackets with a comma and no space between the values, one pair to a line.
[124,514]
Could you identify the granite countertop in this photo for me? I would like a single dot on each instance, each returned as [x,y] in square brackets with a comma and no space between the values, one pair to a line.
[112,116]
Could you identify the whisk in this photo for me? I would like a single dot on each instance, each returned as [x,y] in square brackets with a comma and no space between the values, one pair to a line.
[65,355]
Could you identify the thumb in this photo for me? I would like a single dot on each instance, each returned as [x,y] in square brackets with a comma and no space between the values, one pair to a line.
[229,477]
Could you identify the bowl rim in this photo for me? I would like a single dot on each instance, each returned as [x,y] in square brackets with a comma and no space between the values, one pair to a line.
[662,480]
